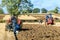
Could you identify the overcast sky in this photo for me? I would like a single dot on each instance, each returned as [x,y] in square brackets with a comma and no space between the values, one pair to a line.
[48,4]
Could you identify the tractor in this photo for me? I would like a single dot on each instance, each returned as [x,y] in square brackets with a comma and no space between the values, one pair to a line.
[49,19]
[9,26]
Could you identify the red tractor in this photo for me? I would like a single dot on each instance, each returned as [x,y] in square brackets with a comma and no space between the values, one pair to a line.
[49,19]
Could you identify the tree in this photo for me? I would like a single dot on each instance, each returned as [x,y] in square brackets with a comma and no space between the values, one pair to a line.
[56,10]
[30,7]
[27,7]
[44,10]
[29,10]
[36,10]
[14,6]
[1,11]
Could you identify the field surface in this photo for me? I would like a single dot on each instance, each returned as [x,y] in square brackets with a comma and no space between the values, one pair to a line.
[32,32]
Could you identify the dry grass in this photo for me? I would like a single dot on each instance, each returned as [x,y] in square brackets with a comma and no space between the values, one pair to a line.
[1,16]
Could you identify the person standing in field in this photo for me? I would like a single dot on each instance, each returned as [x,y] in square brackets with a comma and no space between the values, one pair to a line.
[46,18]
[12,21]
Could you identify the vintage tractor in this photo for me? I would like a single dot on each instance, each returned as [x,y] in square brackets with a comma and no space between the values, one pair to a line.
[9,26]
[50,21]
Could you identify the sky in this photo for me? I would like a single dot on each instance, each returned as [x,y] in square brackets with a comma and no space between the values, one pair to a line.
[48,4]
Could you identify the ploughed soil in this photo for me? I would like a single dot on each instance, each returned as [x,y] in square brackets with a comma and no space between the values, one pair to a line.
[32,32]
[39,32]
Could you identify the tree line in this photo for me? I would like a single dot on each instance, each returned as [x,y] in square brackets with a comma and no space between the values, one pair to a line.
[23,6]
